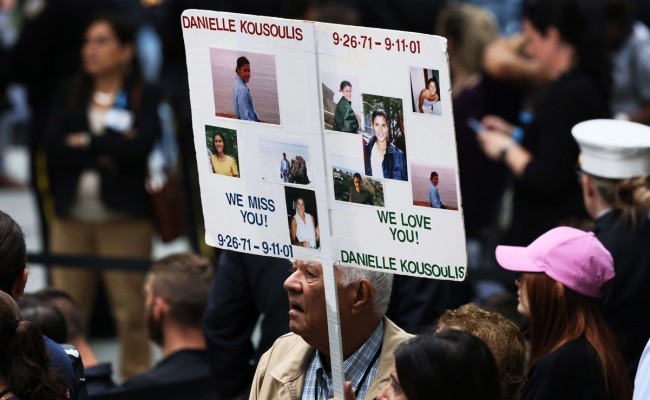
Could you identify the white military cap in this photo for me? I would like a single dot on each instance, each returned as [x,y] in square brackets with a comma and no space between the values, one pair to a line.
[613,149]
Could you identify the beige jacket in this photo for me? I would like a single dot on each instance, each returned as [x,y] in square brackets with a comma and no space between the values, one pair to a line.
[281,371]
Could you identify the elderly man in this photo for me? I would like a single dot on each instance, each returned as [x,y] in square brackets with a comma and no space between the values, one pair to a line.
[298,364]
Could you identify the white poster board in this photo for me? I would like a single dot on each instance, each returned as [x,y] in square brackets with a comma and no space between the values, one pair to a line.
[297,69]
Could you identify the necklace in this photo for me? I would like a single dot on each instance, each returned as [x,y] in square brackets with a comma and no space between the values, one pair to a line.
[103,98]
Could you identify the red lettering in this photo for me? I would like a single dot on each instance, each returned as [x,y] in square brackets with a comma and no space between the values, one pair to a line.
[186,22]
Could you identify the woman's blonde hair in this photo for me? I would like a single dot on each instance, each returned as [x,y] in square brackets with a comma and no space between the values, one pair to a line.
[471,28]
[501,335]
[631,195]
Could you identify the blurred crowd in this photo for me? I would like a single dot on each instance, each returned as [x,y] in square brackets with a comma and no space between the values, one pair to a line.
[98,93]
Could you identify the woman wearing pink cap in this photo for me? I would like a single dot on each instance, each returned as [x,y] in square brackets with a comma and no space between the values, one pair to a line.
[573,354]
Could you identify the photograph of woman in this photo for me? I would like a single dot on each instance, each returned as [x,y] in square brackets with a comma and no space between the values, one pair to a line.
[345,120]
[429,102]
[381,156]
[304,229]
[222,163]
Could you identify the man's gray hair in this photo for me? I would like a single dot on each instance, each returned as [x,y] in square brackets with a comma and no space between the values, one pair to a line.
[381,281]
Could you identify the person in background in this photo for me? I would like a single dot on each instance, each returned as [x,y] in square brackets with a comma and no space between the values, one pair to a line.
[25,370]
[546,193]
[44,315]
[642,378]
[439,365]
[345,120]
[629,46]
[501,335]
[222,163]
[100,134]
[13,278]
[246,286]
[176,291]
[241,96]
[573,354]
[615,164]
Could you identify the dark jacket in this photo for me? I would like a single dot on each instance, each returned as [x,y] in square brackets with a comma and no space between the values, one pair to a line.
[630,248]
[393,165]
[120,159]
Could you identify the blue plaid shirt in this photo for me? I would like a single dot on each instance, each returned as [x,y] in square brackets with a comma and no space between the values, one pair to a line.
[318,383]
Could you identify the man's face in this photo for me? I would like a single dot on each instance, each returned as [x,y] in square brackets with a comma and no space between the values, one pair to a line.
[244,72]
[357,184]
[435,180]
[307,313]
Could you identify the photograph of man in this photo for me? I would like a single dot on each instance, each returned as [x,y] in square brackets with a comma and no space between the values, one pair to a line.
[434,195]
[429,190]
[284,168]
[358,194]
[241,96]
[345,120]
[297,362]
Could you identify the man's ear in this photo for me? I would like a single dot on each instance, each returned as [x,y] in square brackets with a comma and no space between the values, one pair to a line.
[159,307]
[364,293]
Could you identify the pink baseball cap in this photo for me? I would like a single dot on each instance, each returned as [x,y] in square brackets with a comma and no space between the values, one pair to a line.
[572,257]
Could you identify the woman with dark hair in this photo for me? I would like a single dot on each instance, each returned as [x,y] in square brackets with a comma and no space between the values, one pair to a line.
[101,131]
[13,278]
[429,102]
[380,154]
[559,38]
[446,365]
[303,227]
[573,354]
[345,120]
[241,96]
[222,163]
[25,370]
